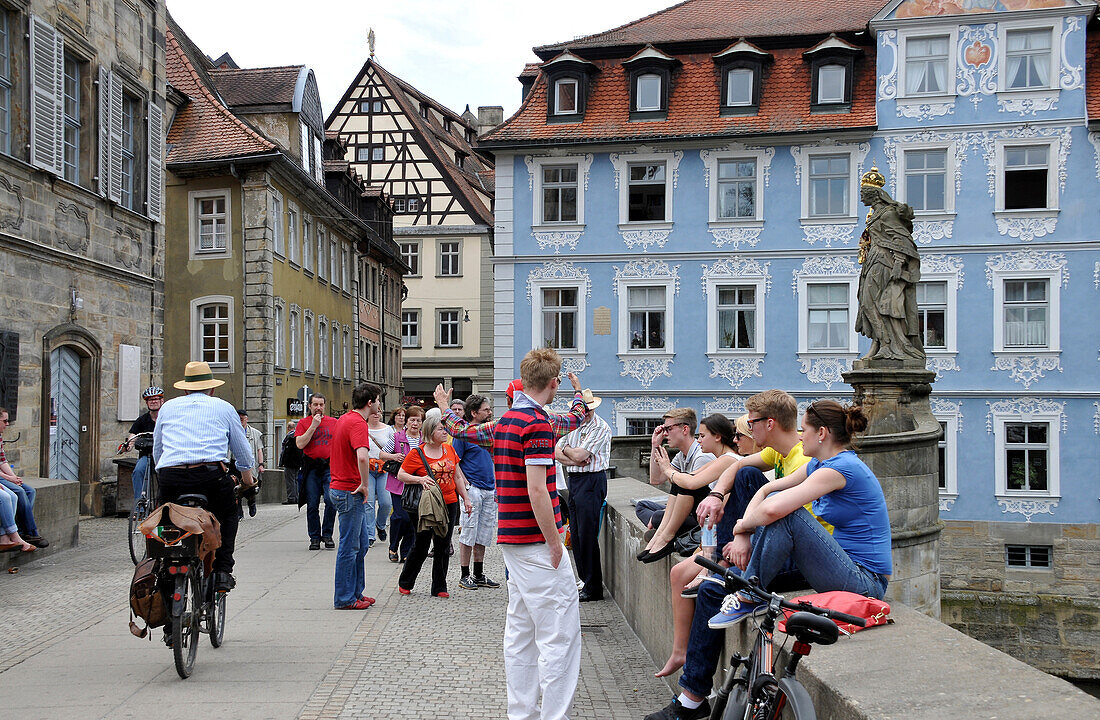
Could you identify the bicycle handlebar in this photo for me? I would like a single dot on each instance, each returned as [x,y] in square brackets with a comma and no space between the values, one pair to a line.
[734,581]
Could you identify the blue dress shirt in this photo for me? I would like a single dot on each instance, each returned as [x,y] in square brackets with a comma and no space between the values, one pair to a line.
[198,428]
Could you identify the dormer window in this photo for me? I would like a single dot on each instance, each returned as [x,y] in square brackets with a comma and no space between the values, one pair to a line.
[446,124]
[832,66]
[567,78]
[740,67]
[831,80]
[647,92]
[739,82]
[650,83]
[424,110]
[565,96]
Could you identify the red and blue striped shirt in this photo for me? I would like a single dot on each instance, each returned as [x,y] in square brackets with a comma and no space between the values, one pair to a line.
[522,437]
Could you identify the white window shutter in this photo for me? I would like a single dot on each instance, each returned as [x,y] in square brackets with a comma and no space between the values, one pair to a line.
[304,132]
[155,175]
[46,78]
[114,90]
[103,163]
[319,163]
[59,138]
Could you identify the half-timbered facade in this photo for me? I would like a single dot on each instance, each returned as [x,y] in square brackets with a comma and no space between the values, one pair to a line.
[441,188]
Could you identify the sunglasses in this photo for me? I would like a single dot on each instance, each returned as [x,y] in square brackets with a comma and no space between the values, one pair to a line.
[812,410]
[738,436]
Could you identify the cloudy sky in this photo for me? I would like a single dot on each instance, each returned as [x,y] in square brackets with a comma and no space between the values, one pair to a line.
[457,51]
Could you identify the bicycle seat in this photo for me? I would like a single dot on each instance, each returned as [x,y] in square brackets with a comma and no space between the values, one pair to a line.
[192,500]
[810,628]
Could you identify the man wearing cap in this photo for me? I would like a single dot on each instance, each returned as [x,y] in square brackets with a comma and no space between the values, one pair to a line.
[587,452]
[192,440]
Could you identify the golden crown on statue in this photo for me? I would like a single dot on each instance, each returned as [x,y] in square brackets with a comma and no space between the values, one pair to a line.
[873,178]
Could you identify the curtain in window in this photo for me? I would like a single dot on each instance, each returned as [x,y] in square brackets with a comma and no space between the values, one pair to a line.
[1025,327]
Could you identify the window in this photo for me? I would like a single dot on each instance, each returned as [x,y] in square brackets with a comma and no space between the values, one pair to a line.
[398,205]
[739,87]
[362,153]
[309,346]
[1026,170]
[336,355]
[642,426]
[647,92]
[926,65]
[460,160]
[413,205]
[446,124]
[212,331]
[827,316]
[559,194]
[932,314]
[831,84]
[646,193]
[410,328]
[736,310]
[1026,314]
[1027,453]
[736,189]
[948,415]
[378,153]
[345,257]
[941,447]
[334,260]
[448,258]
[348,370]
[293,248]
[322,247]
[277,220]
[5,82]
[1029,556]
[72,108]
[1027,59]
[646,316]
[926,180]
[307,243]
[295,332]
[424,111]
[131,155]
[830,180]
[279,339]
[565,96]
[559,318]
[322,352]
[449,324]
[210,222]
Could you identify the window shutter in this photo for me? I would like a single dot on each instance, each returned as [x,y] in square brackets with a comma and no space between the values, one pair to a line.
[103,165]
[114,90]
[46,77]
[155,175]
[303,133]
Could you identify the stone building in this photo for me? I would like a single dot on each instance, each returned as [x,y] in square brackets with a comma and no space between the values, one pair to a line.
[82,98]
[266,262]
[442,191]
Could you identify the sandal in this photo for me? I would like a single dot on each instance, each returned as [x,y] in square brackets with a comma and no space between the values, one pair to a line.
[393,556]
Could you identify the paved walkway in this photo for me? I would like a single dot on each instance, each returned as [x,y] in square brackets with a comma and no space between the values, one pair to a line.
[65,649]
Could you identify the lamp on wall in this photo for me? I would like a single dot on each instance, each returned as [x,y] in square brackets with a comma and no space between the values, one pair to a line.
[466,315]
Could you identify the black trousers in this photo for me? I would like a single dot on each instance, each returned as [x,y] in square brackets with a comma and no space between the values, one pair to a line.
[587,491]
[221,502]
[441,547]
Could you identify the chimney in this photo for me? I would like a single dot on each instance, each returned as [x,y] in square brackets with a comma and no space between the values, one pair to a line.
[488,118]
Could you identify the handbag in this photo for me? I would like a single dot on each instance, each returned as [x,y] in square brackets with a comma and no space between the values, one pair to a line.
[874,611]
[390,467]
[410,496]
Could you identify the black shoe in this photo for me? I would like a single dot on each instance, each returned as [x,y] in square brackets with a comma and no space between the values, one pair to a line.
[483,581]
[665,551]
[328,542]
[586,596]
[252,509]
[168,635]
[676,711]
[224,582]
[314,544]
[37,540]
[381,533]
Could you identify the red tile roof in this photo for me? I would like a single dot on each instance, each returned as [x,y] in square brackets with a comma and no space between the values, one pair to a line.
[1092,72]
[204,128]
[731,19]
[257,86]
[694,105]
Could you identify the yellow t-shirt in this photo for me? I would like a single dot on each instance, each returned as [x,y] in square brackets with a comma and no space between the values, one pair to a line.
[785,465]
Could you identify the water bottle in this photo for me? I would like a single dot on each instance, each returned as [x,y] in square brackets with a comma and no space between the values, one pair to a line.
[708,543]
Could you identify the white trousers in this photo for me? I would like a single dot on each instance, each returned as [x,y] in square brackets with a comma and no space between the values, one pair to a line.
[542,634]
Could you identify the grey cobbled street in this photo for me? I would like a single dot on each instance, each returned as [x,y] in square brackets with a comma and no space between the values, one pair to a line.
[66,651]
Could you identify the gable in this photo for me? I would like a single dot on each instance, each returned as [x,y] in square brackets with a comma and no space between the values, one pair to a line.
[930,8]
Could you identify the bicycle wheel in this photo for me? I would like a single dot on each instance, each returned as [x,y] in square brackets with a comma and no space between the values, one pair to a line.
[787,700]
[138,549]
[185,623]
[216,617]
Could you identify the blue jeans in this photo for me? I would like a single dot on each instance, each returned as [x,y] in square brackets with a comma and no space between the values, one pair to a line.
[377,493]
[354,541]
[315,483]
[8,505]
[137,478]
[24,495]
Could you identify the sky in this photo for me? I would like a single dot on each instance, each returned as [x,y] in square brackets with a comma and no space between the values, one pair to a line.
[457,51]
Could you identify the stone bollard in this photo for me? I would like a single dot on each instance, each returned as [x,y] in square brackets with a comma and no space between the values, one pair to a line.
[901,448]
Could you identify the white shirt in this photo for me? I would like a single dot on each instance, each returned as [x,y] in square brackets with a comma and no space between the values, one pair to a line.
[595,437]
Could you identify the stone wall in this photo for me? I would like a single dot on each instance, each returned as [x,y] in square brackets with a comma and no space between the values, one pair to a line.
[1048,618]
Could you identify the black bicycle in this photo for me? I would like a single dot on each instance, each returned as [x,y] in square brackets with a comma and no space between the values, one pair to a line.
[143,505]
[751,690]
[193,604]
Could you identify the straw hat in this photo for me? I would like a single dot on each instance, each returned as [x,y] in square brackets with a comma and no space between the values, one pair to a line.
[590,401]
[197,376]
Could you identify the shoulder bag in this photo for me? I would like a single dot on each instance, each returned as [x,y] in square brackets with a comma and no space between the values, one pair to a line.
[390,467]
[410,496]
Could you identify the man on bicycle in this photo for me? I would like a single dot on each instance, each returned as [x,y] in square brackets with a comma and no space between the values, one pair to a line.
[191,444]
[146,423]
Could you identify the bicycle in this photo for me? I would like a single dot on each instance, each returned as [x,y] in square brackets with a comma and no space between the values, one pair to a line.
[751,690]
[193,604]
[143,504]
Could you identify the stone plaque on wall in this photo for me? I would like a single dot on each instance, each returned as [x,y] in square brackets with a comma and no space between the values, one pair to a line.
[9,372]
[601,321]
[129,382]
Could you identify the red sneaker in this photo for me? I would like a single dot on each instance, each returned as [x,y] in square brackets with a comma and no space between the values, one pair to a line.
[443,594]
[403,591]
[357,605]
[368,600]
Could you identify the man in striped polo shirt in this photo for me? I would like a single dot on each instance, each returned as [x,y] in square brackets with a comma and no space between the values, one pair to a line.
[542,595]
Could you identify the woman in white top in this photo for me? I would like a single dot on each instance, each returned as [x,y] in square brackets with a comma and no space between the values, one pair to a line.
[379,503]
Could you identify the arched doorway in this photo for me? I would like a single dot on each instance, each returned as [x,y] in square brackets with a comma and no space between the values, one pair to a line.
[65,414]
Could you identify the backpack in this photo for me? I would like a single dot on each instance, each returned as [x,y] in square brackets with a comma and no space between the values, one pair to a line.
[290,455]
[146,601]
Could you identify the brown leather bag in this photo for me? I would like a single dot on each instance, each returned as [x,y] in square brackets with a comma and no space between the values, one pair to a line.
[146,602]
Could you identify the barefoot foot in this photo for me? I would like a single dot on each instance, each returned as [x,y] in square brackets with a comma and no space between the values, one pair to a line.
[675,662]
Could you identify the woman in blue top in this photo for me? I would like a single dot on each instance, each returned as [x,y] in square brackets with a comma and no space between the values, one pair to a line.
[844,492]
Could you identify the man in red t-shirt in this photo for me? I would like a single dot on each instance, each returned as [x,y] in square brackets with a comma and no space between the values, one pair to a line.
[350,465]
[313,437]
[542,594]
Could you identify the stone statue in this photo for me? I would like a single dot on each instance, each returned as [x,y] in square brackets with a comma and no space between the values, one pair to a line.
[890,269]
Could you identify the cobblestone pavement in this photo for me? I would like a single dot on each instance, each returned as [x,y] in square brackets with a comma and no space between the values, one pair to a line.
[287,653]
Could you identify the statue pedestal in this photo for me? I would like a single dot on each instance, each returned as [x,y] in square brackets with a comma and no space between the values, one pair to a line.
[901,448]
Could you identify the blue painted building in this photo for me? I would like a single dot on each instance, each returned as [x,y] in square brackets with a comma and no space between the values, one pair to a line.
[677,212]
